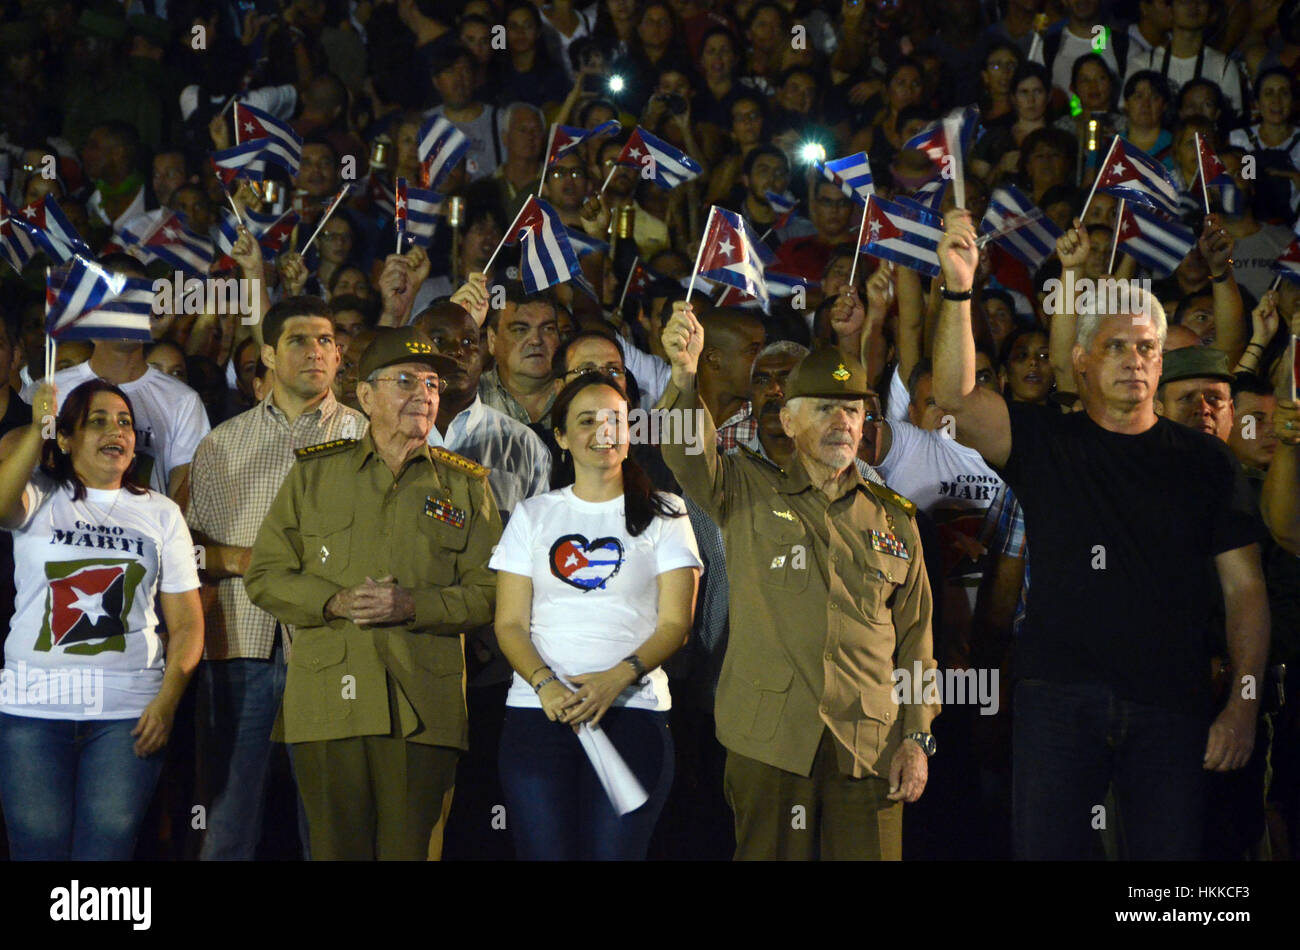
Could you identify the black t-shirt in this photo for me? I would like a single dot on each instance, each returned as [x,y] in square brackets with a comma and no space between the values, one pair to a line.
[1123,528]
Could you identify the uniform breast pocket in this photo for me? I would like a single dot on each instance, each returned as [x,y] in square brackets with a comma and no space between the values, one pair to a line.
[326,543]
[881,576]
[781,551]
[761,689]
[439,543]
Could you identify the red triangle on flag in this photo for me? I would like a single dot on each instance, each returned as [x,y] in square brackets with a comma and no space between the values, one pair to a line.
[879,227]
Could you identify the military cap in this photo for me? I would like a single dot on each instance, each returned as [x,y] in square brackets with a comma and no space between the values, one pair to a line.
[402,345]
[1195,362]
[828,373]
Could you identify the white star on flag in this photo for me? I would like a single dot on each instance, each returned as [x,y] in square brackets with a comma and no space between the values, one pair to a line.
[875,229]
[635,153]
[170,234]
[30,212]
[725,247]
[401,202]
[91,605]
[573,559]
[248,127]
[1118,168]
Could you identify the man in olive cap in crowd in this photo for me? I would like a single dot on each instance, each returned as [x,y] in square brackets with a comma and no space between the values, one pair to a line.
[828,597]
[376,551]
[1196,390]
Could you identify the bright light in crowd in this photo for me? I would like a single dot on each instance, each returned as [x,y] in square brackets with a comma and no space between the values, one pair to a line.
[615,83]
[812,152]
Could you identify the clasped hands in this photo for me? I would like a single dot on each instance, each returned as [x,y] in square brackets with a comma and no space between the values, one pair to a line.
[374,602]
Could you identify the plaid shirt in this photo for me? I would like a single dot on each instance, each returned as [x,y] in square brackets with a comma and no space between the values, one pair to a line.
[740,429]
[494,394]
[1004,533]
[237,471]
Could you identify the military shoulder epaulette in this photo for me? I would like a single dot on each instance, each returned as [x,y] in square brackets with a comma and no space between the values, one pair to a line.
[459,461]
[893,497]
[750,453]
[323,448]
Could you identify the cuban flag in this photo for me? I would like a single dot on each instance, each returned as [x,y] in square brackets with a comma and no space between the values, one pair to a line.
[416,214]
[638,279]
[1132,174]
[282,145]
[670,166]
[584,244]
[1208,164]
[546,257]
[45,224]
[778,285]
[1155,241]
[782,204]
[732,254]
[852,175]
[586,564]
[907,236]
[1288,264]
[17,246]
[84,301]
[242,161]
[1016,224]
[270,231]
[566,138]
[381,196]
[950,136]
[441,146]
[928,198]
[161,235]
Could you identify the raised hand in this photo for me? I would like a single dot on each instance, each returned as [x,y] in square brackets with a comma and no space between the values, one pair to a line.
[1073,247]
[958,253]
[683,341]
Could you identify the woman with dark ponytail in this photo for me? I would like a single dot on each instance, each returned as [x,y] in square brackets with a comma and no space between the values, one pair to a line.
[595,590]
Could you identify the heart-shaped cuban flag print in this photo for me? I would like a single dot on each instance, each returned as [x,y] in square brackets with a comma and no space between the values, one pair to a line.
[586,565]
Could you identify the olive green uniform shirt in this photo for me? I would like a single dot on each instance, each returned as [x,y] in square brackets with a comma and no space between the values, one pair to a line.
[341,517]
[821,612]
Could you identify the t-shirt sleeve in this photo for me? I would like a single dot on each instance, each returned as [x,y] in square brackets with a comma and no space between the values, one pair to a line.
[675,546]
[179,572]
[1237,522]
[1030,426]
[192,425]
[514,552]
[651,372]
[896,410]
[39,487]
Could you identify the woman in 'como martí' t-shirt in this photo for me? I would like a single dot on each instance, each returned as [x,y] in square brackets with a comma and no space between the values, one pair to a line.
[595,590]
[86,699]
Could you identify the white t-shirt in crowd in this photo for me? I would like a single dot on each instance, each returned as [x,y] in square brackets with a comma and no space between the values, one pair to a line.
[1072,47]
[931,468]
[1217,68]
[84,624]
[486,151]
[595,594]
[170,421]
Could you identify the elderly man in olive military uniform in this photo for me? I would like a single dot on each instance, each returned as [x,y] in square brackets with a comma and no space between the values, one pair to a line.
[376,551]
[828,598]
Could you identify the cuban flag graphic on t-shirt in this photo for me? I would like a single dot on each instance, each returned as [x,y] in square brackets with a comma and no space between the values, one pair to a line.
[586,565]
[89,603]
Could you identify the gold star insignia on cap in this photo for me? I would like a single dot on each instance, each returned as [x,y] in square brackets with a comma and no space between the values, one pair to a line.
[841,374]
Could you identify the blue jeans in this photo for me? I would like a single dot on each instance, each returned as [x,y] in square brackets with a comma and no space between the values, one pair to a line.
[238,702]
[556,807]
[73,789]
[1072,741]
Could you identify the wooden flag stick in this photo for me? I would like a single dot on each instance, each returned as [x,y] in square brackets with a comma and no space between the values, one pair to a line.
[699,254]
[546,161]
[1114,242]
[857,250]
[1200,167]
[338,200]
[1100,168]
[505,237]
[608,178]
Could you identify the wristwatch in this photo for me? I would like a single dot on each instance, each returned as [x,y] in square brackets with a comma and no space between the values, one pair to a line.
[638,667]
[924,740]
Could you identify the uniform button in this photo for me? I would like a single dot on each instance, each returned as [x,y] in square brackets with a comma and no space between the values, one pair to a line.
[830,656]
[826,709]
[833,606]
[756,683]
[885,716]
[315,661]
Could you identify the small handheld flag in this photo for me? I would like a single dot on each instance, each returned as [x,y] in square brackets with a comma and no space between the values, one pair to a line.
[668,166]
[441,146]
[904,235]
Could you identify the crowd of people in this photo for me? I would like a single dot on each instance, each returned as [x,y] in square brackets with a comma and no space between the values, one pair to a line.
[374,576]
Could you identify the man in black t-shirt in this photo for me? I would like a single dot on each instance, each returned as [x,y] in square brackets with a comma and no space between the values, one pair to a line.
[1125,510]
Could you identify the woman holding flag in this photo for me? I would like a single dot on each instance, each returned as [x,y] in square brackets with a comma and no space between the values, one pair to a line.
[596,589]
[91,689]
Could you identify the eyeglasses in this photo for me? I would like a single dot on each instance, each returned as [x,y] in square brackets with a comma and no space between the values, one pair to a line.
[609,369]
[574,173]
[408,383]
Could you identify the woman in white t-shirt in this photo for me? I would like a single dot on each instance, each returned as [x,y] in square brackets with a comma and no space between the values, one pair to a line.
[595,590]
[86,699]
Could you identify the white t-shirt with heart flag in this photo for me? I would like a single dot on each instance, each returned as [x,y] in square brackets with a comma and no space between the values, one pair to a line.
[595,593]
[83,642]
